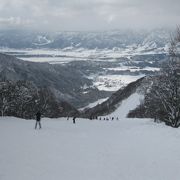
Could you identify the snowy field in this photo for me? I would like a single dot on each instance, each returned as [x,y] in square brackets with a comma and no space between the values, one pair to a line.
[124,149]
[58,56]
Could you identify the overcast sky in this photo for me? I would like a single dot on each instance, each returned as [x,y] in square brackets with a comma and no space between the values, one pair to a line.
[89,14]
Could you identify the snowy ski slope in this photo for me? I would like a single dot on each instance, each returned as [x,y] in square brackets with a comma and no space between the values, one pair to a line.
[127,149]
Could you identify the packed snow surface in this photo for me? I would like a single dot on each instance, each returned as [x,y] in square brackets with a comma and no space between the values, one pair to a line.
[128,149]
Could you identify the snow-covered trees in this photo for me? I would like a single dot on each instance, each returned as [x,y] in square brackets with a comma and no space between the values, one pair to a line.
[162,97]
[18,99]
[166,87]
[23,99]
[165,94]
[6,97]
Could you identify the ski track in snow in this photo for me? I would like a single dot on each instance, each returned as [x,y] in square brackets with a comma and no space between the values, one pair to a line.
[128,149]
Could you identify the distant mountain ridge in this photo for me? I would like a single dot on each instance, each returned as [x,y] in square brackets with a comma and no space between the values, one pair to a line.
[89,40]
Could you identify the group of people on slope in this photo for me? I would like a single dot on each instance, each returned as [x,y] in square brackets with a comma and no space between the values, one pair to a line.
[38,120]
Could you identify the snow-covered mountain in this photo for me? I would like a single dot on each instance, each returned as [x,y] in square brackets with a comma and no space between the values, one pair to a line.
[87,40]
[111,59]
[66,82]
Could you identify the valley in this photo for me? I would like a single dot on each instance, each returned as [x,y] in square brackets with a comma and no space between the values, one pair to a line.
[110,62]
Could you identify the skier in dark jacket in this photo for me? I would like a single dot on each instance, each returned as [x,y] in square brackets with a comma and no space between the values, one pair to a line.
[38,119]
[74,119]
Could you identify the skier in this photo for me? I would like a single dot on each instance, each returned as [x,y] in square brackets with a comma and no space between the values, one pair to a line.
[38,120]
[74,120]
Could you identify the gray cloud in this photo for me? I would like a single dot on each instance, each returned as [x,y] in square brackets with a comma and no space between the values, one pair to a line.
[89,14]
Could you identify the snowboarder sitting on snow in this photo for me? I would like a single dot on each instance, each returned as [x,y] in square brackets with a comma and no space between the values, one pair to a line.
[38,119]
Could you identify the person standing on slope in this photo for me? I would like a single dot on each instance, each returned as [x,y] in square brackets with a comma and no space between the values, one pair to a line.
[74,120]
[38,120]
